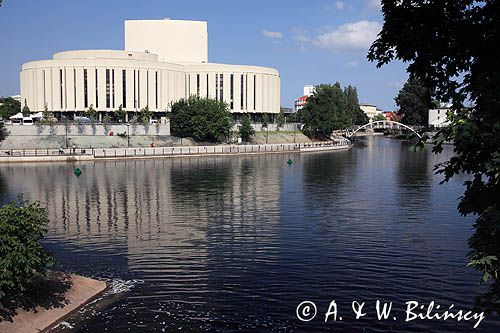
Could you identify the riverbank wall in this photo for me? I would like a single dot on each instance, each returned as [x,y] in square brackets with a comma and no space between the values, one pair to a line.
[95,154]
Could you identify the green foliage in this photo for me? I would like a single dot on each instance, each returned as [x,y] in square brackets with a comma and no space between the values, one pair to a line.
[203,119]
[91,113]
[26,110]
[379,117]
[265,120]
[414,101]
[9,107]
[47,116]
[452,47]
[145,115]
[3,132]
[246,129]
[325,111]
[355,115]
[23,259]
[120,114]
[280,119]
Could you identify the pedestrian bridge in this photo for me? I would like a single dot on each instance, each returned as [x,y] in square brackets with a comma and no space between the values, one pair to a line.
[382,124]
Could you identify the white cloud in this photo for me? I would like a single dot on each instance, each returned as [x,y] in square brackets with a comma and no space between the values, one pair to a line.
[374,4]
[272,34]
[351,36]
[339,5]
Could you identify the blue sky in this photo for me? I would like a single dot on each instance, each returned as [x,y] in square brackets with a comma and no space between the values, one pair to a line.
[309,42]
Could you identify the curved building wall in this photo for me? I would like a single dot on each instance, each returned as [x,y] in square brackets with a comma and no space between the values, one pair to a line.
[73,81]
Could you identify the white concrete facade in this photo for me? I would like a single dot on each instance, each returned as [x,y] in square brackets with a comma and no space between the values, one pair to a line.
[371,111]
[105,79]
[438,118]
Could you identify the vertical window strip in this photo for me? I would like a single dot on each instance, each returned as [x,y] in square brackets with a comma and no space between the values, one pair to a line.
[198,85]
[108,92]
[124,88]
[85,89]
[135,90]
[96,89]
[61,88]
[231,89]
[74,86]
[113,87]
[217,86]
[156,89]
[242,92]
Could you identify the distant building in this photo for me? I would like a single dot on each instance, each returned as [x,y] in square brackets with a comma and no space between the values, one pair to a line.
[370,110]
[300,102]
[391,116]
[438,118]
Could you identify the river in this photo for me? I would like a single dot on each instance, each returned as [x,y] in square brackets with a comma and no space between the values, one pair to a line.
[224,244]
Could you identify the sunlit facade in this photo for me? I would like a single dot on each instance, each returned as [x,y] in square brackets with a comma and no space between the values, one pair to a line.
[164,61]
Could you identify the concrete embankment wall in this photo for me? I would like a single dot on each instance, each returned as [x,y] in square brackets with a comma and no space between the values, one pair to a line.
[70,155]
[88,135]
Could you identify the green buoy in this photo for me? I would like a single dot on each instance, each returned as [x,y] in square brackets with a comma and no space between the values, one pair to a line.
[77,172]
[289,162]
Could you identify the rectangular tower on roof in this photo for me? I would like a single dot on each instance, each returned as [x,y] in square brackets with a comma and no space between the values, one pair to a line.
[172,40]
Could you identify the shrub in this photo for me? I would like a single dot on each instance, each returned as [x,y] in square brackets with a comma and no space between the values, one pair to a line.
[23,260]
[246,130]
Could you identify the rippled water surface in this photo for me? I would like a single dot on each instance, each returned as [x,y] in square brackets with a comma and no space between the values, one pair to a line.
[235,244]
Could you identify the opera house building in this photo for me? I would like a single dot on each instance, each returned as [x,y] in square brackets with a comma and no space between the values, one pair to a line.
[163,62]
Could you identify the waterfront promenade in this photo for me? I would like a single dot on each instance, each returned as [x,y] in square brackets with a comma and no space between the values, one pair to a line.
[89,154]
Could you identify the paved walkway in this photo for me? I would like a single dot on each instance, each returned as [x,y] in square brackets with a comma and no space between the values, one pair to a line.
[73,155]
[82,290]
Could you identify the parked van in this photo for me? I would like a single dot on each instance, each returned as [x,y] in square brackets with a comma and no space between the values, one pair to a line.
[27,121]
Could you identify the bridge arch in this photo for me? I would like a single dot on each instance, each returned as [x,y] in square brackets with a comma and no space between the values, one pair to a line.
[380,122]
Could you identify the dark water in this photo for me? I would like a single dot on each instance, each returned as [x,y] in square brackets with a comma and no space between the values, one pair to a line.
[235,244]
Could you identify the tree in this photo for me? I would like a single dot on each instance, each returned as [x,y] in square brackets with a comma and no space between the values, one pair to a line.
[452,48]
[414,101]
[3,132]
[120,114]
[265,120]
[246,129]
[380,117]
[26,109]
[9,107]
[24,260]
[203,119]
[354,113]
[47,116]
[325,111]
[281,119]
[91,113]
[145,115]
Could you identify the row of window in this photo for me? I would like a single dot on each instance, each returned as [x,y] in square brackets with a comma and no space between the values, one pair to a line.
[110,88]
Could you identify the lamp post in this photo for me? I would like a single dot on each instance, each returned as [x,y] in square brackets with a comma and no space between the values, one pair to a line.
[128,135]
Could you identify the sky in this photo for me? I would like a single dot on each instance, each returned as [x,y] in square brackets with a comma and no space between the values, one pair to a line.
[309,42]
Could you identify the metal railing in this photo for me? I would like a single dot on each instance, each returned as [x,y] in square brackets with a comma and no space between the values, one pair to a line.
[46,152]
[167,151]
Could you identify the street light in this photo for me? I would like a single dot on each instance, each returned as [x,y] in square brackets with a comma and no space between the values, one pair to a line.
[128,135]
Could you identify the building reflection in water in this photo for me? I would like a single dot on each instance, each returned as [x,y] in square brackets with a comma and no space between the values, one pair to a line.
[168,215]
